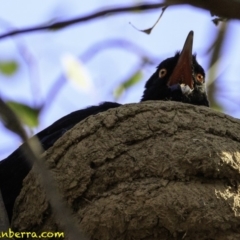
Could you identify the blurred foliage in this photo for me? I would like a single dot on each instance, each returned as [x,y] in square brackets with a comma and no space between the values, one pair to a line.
[8,68]
[135,78]
[216,49]
[27,115]
[76,72]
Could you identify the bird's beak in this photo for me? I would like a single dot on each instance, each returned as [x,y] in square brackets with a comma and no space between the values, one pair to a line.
[182,73]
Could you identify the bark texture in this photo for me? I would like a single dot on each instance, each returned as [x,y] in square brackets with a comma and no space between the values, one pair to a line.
[152,170]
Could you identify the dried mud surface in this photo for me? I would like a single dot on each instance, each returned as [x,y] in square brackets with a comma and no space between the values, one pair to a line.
[154,170]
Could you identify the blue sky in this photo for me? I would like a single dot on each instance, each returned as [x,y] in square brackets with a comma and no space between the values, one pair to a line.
[109,67]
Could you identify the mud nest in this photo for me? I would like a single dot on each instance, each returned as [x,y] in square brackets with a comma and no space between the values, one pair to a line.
[154,170]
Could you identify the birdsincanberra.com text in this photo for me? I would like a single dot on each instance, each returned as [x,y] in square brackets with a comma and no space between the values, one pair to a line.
[11,234]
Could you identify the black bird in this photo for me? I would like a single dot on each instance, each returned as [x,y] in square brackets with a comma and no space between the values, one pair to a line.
[179,78]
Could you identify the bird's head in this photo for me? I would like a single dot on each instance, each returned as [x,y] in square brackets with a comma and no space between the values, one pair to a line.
[175,74]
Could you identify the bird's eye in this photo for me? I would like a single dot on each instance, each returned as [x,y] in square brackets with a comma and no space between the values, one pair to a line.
[200,78]
[162,73]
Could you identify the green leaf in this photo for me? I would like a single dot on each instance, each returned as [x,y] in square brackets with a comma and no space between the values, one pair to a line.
[27,115]
[135,78]
[8,67]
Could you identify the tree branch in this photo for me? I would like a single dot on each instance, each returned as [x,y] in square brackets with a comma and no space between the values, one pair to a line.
[87,17]
[223,8]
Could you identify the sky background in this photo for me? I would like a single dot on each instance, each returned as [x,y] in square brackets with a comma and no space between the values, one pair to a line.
[49,52]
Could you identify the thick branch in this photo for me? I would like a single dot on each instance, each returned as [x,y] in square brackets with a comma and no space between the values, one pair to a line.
[224,8]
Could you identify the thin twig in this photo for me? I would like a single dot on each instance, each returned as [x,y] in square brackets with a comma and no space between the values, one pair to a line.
[214,62]
[30,61]
[90,53]
[117,43]
[87,17]
[149,30]
[227,9]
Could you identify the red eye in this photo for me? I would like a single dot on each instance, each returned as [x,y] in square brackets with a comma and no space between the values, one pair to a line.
[162,73]
[200,77]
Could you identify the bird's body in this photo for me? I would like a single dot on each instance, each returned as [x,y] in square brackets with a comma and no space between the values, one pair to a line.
[179,78]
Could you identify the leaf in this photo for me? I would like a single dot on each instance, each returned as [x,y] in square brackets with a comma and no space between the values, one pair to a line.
[8,67]
[135,78]
[77,73]
[27,115]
